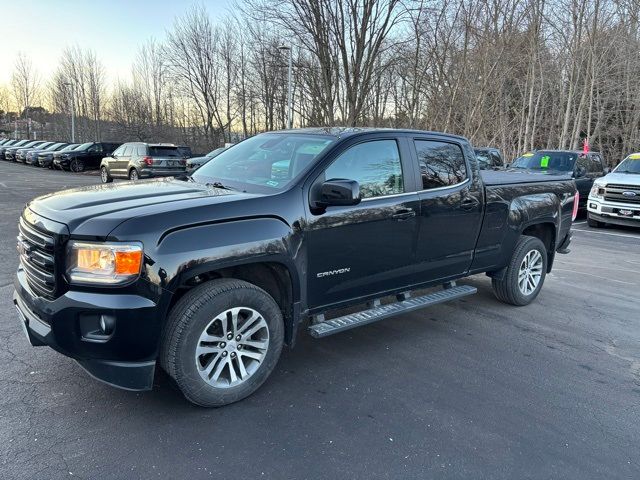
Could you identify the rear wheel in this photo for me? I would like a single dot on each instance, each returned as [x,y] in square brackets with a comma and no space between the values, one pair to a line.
[525,273]
[592,222]
[221,342]
[76,165]
[104,175]
[133,174]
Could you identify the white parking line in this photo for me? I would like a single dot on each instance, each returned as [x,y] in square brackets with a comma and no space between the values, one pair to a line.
[606,233]
[592,275]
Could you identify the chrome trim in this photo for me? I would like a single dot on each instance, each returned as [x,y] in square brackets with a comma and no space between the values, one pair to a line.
[437,189]
[368,199]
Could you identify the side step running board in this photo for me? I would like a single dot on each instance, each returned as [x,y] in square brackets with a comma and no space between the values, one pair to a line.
[346,322]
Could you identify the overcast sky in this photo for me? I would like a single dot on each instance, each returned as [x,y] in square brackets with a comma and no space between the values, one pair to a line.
[114,29]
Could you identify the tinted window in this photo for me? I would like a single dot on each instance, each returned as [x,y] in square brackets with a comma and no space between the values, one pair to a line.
[596,164]
[374,165]
[163,152]
[583,162]
[441,163]
[547,160]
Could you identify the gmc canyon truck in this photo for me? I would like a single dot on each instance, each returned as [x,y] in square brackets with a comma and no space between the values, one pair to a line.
[209,275]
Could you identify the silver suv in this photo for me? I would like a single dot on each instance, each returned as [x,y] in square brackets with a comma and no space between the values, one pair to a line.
[143,160]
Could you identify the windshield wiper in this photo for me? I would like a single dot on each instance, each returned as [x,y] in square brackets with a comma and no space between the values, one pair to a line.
[219,185]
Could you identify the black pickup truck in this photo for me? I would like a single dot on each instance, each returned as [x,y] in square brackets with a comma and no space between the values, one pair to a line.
[209,275]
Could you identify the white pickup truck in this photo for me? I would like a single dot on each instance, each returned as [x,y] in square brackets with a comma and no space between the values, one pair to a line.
[615,198]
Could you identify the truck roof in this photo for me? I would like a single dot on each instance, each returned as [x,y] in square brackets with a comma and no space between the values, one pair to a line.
[344,132]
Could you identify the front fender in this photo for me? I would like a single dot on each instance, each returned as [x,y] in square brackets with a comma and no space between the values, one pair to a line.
[190,251]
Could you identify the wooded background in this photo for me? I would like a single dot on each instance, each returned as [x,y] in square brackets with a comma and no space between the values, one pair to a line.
[514,74]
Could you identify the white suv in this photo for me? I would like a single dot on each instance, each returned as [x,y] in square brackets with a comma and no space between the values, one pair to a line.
[615,198]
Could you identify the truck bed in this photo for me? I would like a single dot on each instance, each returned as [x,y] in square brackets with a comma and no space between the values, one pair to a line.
[510,177]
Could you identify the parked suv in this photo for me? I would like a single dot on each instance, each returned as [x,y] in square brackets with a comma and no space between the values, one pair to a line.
[31,157]
[143,160]
[9,143]
[45,157]
[87,156]
[10,153]
[615,198]
[20,155]
[584,168]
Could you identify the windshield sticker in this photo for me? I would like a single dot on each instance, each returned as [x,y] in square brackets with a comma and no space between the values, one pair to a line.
[544,161]
[635,156]
[271,183]
[529,154]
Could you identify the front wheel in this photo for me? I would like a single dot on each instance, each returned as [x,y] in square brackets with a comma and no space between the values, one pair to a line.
[525,273]
[104,175]
[221,341]
[76,165]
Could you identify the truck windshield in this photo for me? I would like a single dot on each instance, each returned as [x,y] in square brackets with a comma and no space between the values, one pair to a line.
[630,164]
[265,163]
[558,161]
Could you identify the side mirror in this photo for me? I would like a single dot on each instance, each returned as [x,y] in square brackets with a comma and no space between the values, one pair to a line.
[339,192]
[580,172]
[607,170]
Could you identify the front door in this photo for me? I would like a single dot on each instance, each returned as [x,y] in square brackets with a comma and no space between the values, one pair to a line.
[451,209]
[368,248]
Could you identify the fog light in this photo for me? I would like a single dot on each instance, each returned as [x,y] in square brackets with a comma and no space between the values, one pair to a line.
[107,324]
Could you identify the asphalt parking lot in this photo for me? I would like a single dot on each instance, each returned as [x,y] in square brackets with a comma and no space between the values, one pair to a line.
[471,389]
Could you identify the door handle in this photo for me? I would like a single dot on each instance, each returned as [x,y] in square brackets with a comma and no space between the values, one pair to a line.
[403,214]
[469,203]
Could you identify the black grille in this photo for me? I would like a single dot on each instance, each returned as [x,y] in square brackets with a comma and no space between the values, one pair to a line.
[36,248]
[616,193]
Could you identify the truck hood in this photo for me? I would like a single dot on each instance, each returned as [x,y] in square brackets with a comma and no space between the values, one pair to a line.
[620,178]
[96,210]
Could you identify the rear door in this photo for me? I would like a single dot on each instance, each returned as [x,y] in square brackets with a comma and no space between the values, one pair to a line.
[122,161]
[451,206]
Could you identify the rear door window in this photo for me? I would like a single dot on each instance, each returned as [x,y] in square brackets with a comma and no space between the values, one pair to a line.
[442,164]
[164,152]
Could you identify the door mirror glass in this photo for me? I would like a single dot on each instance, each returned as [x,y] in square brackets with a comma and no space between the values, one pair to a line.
[339,192]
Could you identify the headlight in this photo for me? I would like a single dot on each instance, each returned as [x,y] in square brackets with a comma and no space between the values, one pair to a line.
[103,263]
[597,191]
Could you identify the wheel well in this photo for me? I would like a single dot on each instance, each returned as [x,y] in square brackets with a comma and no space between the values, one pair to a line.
[272,277]
[546,232]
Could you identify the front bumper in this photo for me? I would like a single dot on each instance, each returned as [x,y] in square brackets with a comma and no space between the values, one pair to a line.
[609,212]
[61,162]
[125,358]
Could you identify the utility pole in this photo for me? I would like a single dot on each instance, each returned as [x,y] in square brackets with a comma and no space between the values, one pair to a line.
[289,88]
[73,112]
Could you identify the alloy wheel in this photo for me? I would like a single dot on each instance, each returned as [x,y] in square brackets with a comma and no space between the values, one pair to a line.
[530,272]
[232,347]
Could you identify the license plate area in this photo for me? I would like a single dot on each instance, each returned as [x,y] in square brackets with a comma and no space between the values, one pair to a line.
[624,212]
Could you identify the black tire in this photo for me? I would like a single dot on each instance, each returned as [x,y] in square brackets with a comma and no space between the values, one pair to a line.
[133,174]
[507,290]
[76,165]
[104,175]
[190,317]
[592,222]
